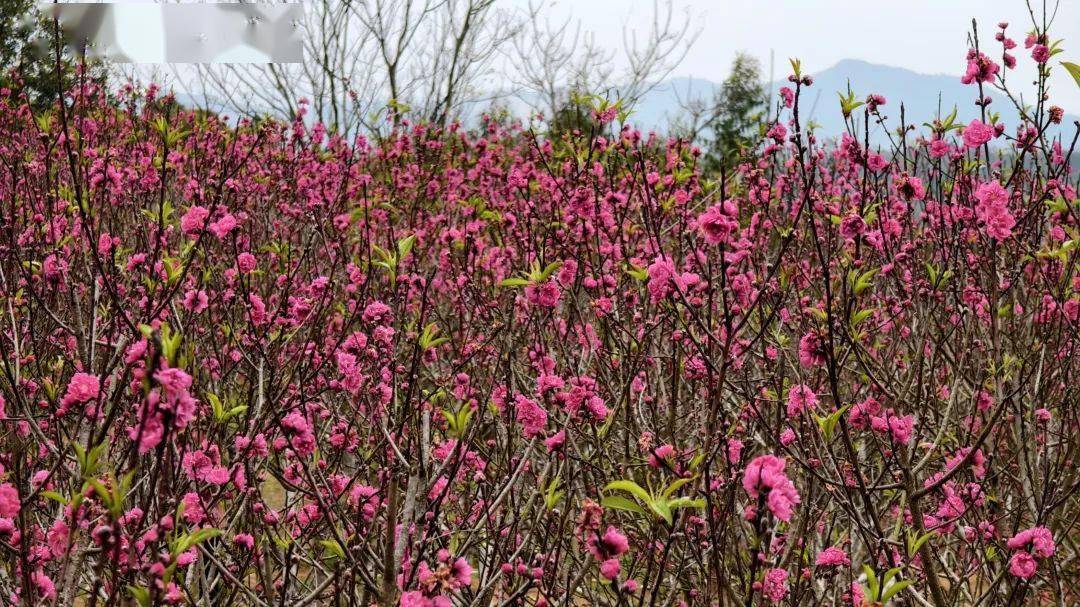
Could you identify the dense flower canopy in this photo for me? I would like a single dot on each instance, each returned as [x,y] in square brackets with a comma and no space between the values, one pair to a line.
[265,365]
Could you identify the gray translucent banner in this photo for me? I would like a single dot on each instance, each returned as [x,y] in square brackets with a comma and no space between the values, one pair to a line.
[183,33]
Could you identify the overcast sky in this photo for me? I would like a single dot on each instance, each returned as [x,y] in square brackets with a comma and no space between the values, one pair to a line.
[928,36]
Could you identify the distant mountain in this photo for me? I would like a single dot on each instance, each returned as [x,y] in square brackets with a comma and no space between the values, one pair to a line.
[922,95]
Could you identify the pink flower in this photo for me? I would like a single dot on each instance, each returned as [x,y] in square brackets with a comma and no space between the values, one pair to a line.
[811,350]
[979,68]
[1022,565]
[852,226]
[610,569]
[734,450]
[664,279]
[1040,540]
[611,545]
[195,301]
[800,398]
[245,262]
[661,273]
[939,148]
[377,312]
[461,573]
[300,433]
[605,116]
[832,557]
[787,437]
[876,162]
[83,387]
[615,543]
[414,598]
[223,226]
[788,95]
[999,225]
[858,599]
[901,428]
[717,223]
[217,475]
[977,133]
[992,209]
[991,194]
[545,295]
[663,452]
[530,415]
[194,220]
[765,474]
[149,432]
[9,501]
[175,384]
[774,587]
[257,309]
[44,585]
[245,540]
[58,537]
[555,441]
[1040,53]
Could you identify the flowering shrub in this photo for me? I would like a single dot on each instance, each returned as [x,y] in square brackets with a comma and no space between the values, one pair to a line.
[266,366]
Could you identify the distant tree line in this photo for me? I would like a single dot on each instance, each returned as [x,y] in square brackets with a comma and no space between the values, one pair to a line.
[372,63]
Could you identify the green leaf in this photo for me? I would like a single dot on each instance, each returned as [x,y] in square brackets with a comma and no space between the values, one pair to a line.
[515,282]
[889,575]
[871,582]
[56,497]
[662,508]
[80,457]
[894,590]
[102,492]
[827,424]
[915,543]
[237,410]
[215,406]
[405,246]
[675,486]
[619,502]
[428,338]
[863,281]
[549,270]
[950,120]
[552,496]
[456,423]
[1074,71]
[194,539]
[333,548]
[861,315]
[694,463]
[140,594]
[686,502]
[630,487]
[638,274]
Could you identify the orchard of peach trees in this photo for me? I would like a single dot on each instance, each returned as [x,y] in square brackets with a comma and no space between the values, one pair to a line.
[264,364]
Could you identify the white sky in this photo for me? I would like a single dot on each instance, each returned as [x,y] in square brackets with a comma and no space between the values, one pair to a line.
[927,36]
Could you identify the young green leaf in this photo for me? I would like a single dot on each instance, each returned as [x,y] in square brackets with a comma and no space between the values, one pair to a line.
[893,590]
[630,487]
[618,502]
[1073,69]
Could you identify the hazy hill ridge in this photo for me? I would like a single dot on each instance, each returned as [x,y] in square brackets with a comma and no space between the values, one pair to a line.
[921,94]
